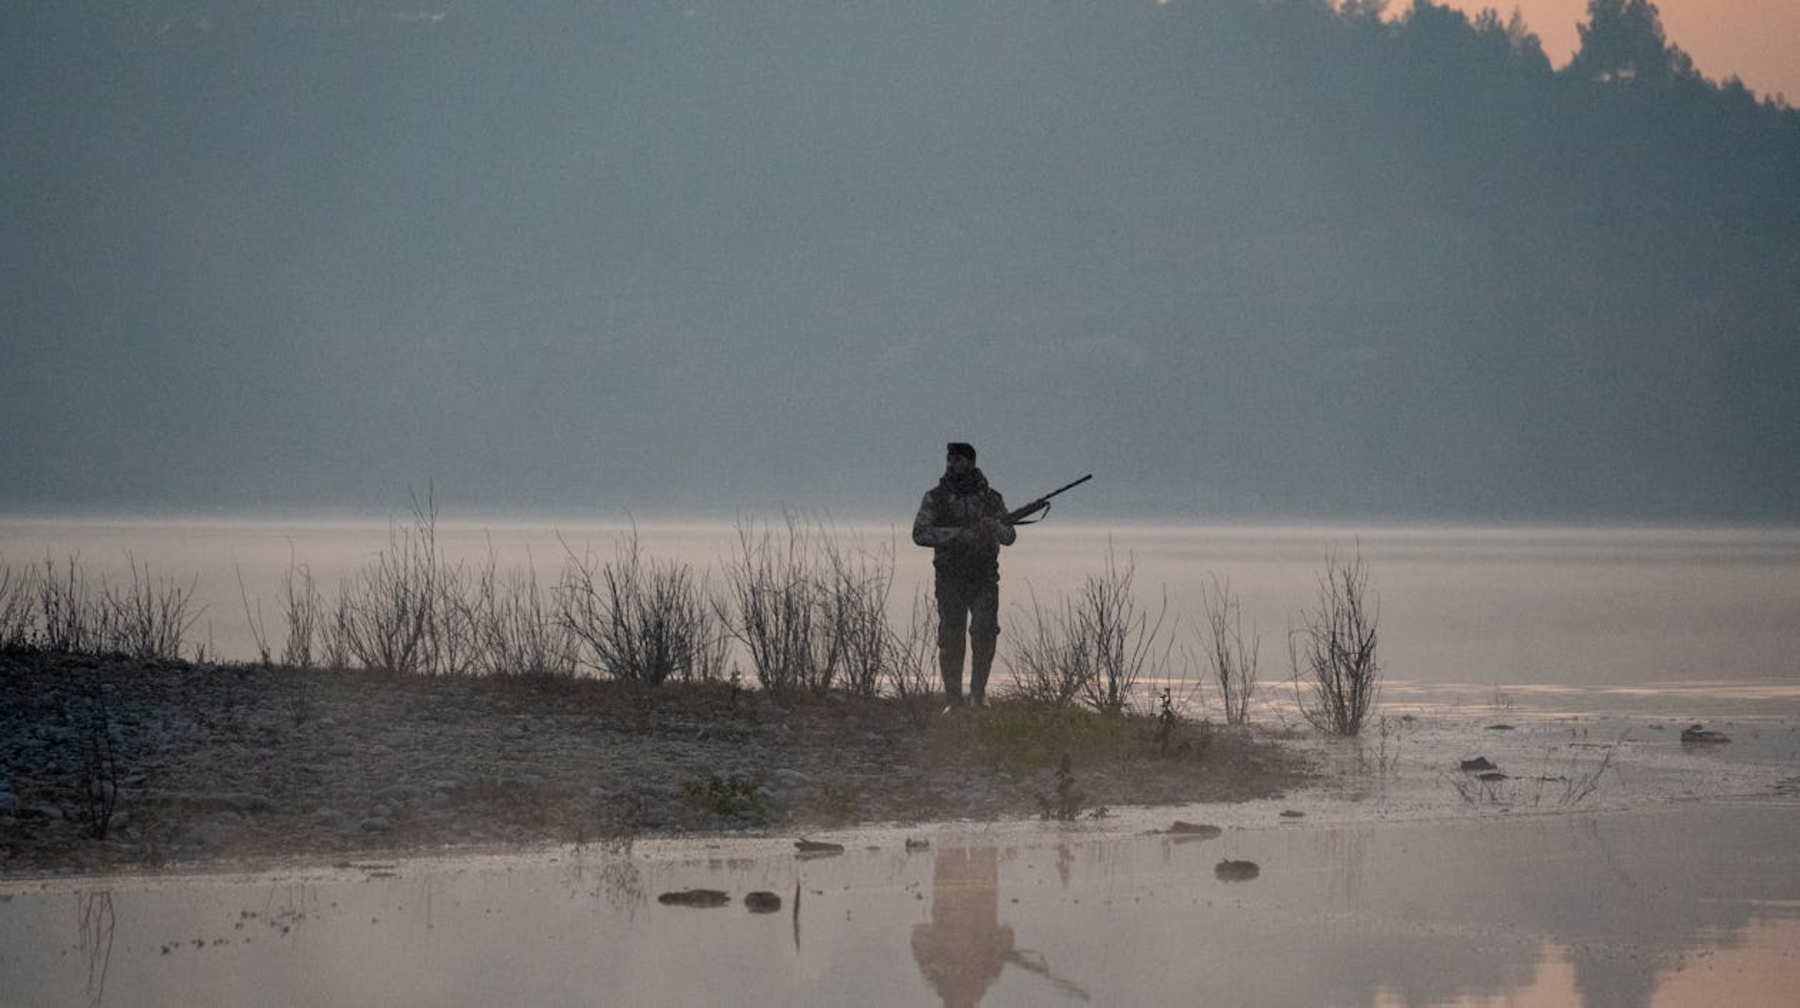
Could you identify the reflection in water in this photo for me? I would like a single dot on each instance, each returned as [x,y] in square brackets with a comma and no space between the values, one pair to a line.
[287,906]
[615,881]
[1348,849]
[1678,905]
[94,938]
[964,948]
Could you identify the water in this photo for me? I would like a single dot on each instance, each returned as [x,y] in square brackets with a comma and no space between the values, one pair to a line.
[1675,884]
[1682,905]
[1473,614]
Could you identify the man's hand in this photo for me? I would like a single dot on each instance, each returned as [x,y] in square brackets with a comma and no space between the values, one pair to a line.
[982,534]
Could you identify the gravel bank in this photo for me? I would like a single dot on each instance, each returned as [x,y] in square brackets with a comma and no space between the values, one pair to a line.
[214,766]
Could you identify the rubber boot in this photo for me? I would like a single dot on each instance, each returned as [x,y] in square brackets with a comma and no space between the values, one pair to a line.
[950,667]
[981,660]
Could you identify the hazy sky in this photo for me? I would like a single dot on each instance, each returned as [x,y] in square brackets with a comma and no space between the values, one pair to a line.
[1759,40]
[689,257]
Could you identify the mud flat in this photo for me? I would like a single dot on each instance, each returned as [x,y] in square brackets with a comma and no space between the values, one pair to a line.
[209,767]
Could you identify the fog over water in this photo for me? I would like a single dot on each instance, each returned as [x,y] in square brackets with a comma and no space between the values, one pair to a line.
[1482,608]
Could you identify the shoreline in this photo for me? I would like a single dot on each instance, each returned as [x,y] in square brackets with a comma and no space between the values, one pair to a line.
[211,765]
[246,768]
[666,852]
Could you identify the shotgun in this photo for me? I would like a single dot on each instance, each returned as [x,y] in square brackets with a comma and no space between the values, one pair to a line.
[1022,516]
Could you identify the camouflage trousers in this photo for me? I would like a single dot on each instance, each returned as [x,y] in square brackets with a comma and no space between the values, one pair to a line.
[967,609]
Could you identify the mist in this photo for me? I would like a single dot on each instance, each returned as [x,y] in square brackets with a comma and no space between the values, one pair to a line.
[1240,259]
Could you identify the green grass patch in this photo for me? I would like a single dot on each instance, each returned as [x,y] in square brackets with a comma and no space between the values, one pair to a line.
[832,805]
[1020,738]
[730,796]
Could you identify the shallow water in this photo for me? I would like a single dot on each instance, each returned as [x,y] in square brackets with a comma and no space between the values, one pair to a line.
[1674,905]
[1488,609]
[1676,882]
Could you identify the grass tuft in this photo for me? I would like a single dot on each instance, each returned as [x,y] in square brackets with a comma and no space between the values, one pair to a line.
[1020,738]
[726,796]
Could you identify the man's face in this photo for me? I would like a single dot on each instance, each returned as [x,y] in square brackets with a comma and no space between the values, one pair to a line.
[959,465]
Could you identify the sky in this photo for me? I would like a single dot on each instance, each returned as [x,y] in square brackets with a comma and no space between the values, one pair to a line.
[691,258]
[1759,40]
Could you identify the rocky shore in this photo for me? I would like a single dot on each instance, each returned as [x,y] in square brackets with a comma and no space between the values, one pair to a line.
[114,764]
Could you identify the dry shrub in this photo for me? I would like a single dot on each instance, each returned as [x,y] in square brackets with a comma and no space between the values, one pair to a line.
[640,620]
[1094,647]
[1334,651]
[912,667]
[1231,654]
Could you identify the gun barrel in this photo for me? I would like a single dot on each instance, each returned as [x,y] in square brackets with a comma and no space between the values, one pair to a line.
[1067,486]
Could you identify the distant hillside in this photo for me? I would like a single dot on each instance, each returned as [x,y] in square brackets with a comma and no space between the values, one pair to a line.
[1246,258]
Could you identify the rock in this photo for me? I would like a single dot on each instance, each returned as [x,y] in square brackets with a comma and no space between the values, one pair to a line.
[791,778]
[1491,776]
[694,898]
[917,844]
[1236,871]
[1700,735]
[816,848]
[376,824]
[1292,814]
[1499,727]
[762,902]
[1478,763]
[1194,831]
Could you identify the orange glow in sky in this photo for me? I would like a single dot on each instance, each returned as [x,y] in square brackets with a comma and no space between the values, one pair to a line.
[1758,40]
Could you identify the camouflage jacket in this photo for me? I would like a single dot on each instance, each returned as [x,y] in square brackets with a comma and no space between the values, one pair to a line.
[950,521]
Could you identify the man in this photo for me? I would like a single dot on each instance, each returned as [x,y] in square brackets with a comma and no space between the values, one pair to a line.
[963,520]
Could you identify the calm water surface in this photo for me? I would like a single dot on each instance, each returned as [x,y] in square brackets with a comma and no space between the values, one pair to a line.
[1676,904]
[1683,905]
[1465,612]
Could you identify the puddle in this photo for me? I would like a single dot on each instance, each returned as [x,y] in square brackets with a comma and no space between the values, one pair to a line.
[1665,906]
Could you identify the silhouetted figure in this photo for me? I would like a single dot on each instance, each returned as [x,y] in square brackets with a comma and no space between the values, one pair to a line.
[963,520]
[964,947]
